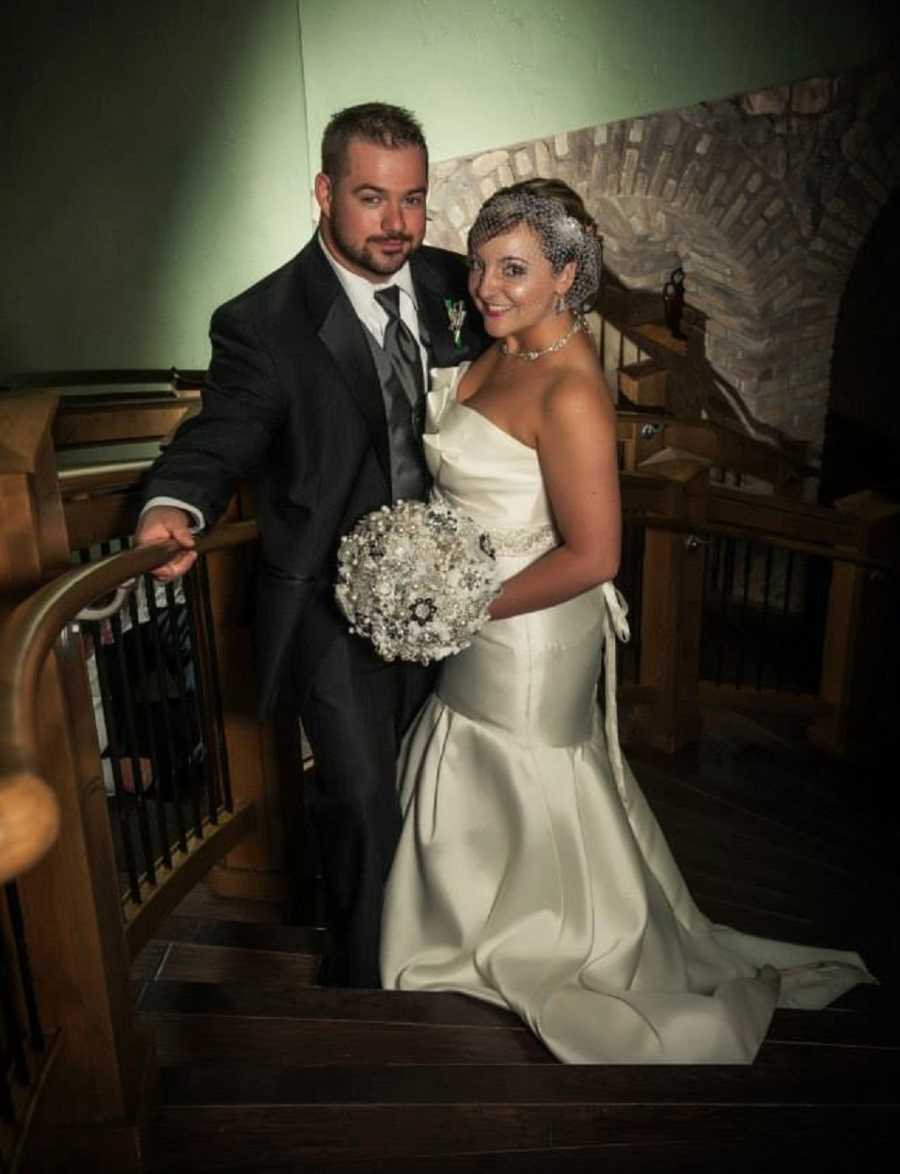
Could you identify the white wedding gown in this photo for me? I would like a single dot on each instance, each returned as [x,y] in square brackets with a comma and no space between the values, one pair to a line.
[530,871]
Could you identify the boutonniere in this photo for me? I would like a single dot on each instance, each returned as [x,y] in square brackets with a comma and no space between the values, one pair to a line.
[456,314]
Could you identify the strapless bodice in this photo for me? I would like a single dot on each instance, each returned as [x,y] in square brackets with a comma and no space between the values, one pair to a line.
[486,473]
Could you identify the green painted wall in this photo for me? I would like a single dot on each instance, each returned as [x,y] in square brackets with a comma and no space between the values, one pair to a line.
[486,73]
[155,164]
[159,156]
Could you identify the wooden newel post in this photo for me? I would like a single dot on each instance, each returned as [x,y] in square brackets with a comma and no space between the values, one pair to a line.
[33,541]
[103,1071]
[100,1067]
[860,679]
[259,772]
[672,595]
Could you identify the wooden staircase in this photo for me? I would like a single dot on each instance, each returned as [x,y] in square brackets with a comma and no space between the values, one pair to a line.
[262,1072]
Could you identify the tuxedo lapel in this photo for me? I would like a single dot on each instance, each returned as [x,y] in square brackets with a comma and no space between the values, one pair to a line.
[341,332]
[431,294]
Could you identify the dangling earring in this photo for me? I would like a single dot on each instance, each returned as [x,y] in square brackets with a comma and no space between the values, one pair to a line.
[560,304]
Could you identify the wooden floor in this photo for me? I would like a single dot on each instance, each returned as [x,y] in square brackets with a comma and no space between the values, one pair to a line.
[262,1072]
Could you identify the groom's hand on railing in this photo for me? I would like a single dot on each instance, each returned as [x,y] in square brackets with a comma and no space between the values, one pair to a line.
[162,523]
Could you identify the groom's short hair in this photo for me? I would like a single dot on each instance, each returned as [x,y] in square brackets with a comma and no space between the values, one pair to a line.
[372,122]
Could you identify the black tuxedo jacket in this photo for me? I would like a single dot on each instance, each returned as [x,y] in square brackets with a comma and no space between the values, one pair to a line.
[293,404]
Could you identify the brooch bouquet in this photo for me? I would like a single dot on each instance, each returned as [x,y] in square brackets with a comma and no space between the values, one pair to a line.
[416,579]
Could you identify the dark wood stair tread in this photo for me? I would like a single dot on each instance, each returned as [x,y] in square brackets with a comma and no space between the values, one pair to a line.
[796,794]
[829,1150]
[264,1136]
[783,1073]
[287,1000]
[293,939]
[864,1017]
[188,1038]
[199,963]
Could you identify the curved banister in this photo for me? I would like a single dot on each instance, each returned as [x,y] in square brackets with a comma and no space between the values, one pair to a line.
[29,813]
[705,529]
[761,452]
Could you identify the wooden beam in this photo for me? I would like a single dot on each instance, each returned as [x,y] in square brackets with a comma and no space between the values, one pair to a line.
[672,594]
[119,423]
[860,681]
[714,696]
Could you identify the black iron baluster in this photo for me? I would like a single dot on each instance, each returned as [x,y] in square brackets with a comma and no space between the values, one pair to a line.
[819,617]
[15,1037]
[162,685]
[147,708]
[636,603]
[727,575]
[17,924]
[218,718]
[745,609]
[202,669]
[7,1105]
[191,729]
[764,619]
[706,594]
[112,747]
[786,618]
[127,696]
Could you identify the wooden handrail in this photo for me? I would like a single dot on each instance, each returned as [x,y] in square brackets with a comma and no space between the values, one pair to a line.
[823,550]
[29,813]
[25,420]
[102,478]
[103,420]
[170,376]
[778,460]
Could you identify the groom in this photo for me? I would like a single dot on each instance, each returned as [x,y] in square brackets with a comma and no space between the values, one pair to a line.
[315,394]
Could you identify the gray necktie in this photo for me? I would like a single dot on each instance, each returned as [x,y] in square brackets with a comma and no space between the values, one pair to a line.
[406,400]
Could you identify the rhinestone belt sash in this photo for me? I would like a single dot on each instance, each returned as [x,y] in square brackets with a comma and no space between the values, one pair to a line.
[522,540]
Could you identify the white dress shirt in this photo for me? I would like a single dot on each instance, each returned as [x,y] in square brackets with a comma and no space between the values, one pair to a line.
[371,313]
[374,318]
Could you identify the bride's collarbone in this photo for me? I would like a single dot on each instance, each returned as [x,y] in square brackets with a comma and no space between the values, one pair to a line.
[511,406]
[499,383]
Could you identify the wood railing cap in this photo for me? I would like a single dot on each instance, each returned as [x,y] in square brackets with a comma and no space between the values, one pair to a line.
[25,419]
[869,505]
[29,822]
[676,465]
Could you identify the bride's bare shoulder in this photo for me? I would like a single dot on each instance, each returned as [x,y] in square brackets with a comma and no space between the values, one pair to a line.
[578,395]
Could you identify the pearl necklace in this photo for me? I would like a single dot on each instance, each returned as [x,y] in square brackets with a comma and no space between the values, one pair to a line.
[530,356]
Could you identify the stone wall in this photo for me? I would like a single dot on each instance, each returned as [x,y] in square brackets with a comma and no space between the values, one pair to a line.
[763,199]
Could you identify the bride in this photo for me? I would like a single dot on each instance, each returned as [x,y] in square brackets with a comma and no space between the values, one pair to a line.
[530,871]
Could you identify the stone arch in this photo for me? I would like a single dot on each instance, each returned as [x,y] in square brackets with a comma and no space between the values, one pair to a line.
[764,201]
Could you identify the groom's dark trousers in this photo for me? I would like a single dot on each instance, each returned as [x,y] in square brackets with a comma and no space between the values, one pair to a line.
[355,714]
[293,405]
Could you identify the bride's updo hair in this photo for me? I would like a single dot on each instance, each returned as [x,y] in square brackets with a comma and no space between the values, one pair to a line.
[557,215]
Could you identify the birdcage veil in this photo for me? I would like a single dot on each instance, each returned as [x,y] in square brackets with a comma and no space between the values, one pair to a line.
[563,237]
